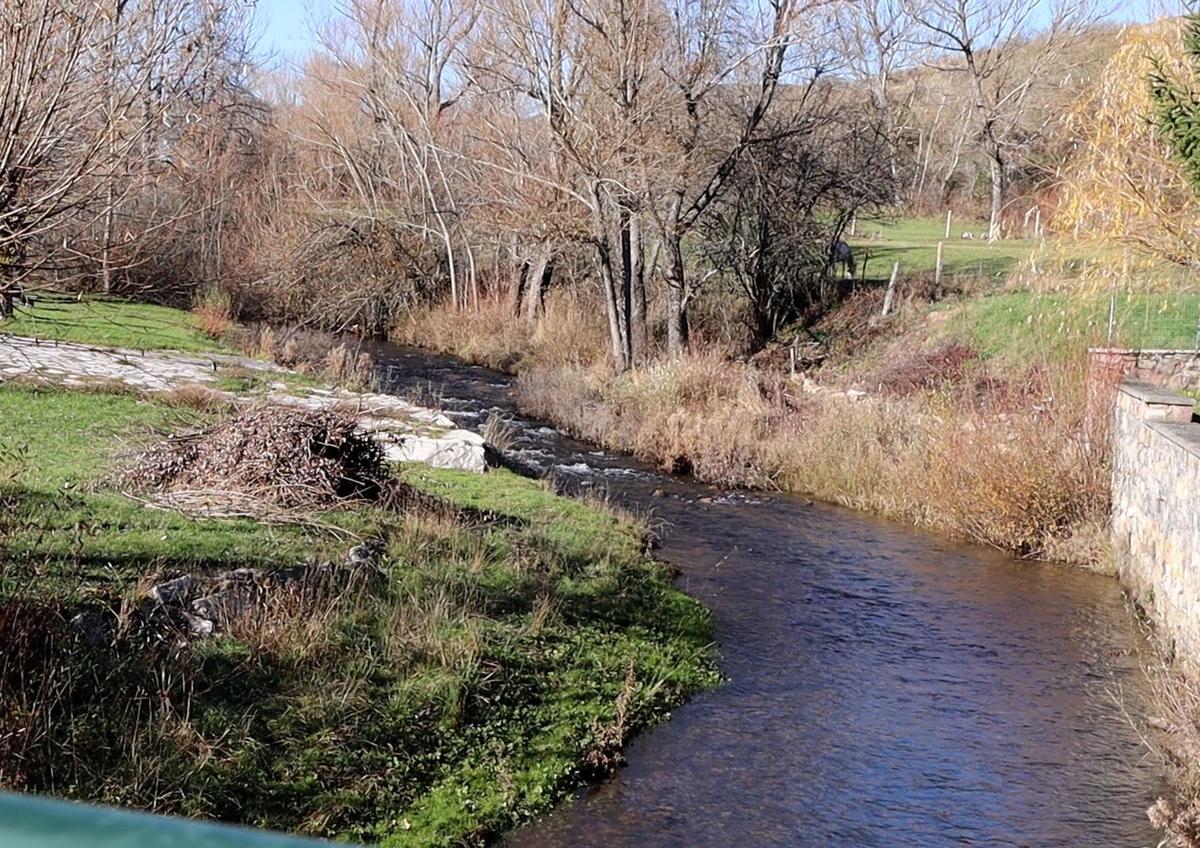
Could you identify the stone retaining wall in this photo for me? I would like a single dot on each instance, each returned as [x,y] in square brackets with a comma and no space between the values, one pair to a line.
[1174,369]
[1156,508]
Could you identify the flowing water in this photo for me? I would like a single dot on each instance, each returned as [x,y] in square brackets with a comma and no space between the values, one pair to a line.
[885,686]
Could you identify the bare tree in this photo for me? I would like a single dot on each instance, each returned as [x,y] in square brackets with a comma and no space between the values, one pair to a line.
[398,63]
[1008,51]
[93,98]
[880,45]
[589,69]
[771,234]
[704,66]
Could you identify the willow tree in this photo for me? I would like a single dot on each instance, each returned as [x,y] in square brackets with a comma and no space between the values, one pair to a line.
[1122,182]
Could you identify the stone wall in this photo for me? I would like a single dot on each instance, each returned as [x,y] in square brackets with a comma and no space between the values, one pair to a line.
[1156,508]
[1174,369]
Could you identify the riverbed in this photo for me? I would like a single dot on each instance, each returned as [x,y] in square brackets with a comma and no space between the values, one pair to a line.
[884,686]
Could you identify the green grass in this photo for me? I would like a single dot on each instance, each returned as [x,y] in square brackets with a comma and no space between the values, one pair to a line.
[73,532]
[1024,326]
[243,380]
[113,323]
[447,698]
[1017,326]
[913,243]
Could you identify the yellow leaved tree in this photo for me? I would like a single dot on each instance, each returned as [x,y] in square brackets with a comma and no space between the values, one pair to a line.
[1121,184]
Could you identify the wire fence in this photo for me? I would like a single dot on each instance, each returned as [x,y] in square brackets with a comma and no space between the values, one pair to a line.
[1149,321]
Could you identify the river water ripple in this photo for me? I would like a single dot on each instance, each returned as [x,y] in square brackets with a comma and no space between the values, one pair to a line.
[886,687]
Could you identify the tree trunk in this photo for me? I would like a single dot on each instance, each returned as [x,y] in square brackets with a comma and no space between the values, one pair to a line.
[997,173]
[677,327]
[637,321]
[609,283]
[516,289]
[625,235]
[472,275]
[541,270]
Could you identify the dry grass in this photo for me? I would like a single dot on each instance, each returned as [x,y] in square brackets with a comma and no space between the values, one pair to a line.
[347,368]
[943,440]
[502,433]
[1033,484]
[489,334]
[312,352]
[1175,737]
[195,396]
[213,313]
[214,323]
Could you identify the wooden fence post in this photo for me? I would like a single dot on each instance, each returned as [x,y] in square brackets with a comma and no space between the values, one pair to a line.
[891,290]
[949,213]
[937,267]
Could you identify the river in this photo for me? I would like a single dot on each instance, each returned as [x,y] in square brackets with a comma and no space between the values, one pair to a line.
[885,687]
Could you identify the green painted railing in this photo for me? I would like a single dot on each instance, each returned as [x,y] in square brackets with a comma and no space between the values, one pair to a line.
[29,822]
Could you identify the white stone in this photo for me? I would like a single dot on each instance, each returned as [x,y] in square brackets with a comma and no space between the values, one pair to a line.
[459,449]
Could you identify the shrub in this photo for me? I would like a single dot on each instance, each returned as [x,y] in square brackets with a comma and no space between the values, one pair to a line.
[213,311]
[489,334]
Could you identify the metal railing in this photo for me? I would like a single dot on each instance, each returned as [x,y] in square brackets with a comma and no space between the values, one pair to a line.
[30,822]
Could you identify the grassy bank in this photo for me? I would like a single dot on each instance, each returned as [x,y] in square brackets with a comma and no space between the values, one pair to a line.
[115,323]
[493,661]
[913,243]
[1006,469]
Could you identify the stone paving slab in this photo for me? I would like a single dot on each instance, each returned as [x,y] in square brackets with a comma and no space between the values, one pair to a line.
[409,433]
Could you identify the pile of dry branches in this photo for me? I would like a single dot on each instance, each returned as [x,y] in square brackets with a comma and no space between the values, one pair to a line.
[281,456]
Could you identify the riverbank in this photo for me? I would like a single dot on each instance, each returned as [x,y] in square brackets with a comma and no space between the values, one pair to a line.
[496,652]
[928,691]
[905,418]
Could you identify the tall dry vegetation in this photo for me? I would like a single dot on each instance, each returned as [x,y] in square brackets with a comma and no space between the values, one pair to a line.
[971,458]
[118,126]
[467,153]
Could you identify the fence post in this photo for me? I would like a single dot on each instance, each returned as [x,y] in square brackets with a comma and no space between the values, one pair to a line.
[891,290]
[937,267]
[949,213]
[1112,314]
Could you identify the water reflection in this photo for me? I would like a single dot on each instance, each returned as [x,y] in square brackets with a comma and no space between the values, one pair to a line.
[886,687]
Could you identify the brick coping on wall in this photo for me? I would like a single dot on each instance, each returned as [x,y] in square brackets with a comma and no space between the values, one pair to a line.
[1168,413]
[1152,393]
[1187,436]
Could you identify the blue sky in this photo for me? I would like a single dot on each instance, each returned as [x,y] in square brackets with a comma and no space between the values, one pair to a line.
[286,25]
